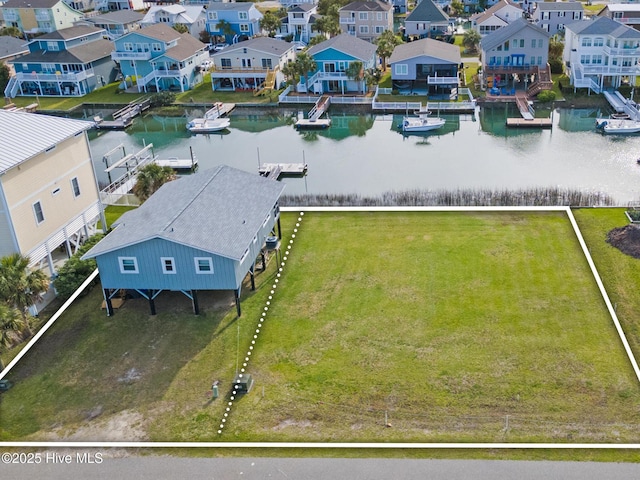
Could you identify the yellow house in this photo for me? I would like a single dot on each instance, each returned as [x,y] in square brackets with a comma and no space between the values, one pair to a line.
[49,201]
[39,16]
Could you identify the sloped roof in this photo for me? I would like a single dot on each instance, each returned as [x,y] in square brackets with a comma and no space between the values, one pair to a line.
[354,46]
[559,6]
[69,33]
[186,47]
[239,6]
[159,31]
[19,143]
[623,7]
[426,47]
[489,12]
[31,3]
[84,53]
[186,14]
[367,6]
[10,46]
[219,211]
[602,26]
[304,7]
[503,34]
[427,11]
[117,17]
[267,45]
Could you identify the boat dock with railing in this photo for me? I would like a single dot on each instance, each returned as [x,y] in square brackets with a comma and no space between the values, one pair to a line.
[122,118]
[277,170]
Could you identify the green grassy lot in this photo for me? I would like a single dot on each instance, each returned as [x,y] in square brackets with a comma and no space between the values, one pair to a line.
[446,322]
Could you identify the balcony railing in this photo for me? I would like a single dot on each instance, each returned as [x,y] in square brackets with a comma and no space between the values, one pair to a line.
[347,21]
[609,69]
[622,52]
[171,72]
[11,16]
[442,80]
[526,68]
[227,70]
[43,16]
[130,55]
[54,77]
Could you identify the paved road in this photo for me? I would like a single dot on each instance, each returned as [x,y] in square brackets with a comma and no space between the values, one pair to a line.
[154,468]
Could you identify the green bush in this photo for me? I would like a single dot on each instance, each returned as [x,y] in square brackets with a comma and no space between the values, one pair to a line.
[547,96]
[556,65]
[75,271]
[162,99]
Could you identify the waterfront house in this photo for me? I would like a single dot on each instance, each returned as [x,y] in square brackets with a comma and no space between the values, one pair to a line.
[251,65]
[69,62]
[159,58]
[233,22]
[601,53]
[295,3]
[366,19]
[516,54]
[194,17]
[200,232]
[553,16]
[115,23]
[427,20]
[333,57]
[10,48]
[39,16]
[48,193]
[117,5]
[426,65]
[502,13]
[627,13]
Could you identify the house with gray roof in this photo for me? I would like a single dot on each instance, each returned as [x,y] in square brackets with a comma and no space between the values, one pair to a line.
[502,13]
[48,192]
[39,16]
[241,21]
[69,62]
[333,57]
[10,48]
[427,20]
[366,19]
[200,232]
[553,16]
[299,22]
[194,17]
[426,65]
[627,13]
[251,65]
[116,23]
[601,53]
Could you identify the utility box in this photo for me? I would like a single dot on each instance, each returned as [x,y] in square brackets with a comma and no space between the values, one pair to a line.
[243,383]
[5,385]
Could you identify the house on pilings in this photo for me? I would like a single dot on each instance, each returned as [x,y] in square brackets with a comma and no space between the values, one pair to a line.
[204,231]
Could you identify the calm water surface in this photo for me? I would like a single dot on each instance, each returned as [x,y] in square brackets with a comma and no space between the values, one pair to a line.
[366,155]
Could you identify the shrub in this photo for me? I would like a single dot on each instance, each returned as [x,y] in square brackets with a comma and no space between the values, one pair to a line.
[75,271]
[556,65]
[546,96]
[162,99]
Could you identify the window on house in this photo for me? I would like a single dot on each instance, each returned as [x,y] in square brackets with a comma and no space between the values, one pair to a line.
[244,27]
[585,59]
[243,15]
[379,29]
[266,63]
[539,43]
[128,264]
[364,28]
[204,265]
[37,211]
[598,42]
[266,220]
[532,61]
[522,43]
[75,187]
[586,42]
[597,59]
[128,47]
[225,62]
[168,265]
[379,16]
[362,15]
[244,255]
[401,69]
[156,47]
[533,43]
[212,15]
[506,46]
[53,46]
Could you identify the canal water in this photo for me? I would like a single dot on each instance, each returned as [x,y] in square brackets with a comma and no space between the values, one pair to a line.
[365,154]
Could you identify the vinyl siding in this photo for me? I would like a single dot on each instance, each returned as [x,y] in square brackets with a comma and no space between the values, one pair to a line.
[7,242]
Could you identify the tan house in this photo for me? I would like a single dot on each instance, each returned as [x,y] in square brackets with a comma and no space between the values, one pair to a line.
[366,20]
[39,16]
[49,201]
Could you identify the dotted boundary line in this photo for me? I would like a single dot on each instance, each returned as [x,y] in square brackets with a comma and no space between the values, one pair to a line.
[261,320]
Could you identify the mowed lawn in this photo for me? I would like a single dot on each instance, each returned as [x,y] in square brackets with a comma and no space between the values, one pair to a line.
[448,326]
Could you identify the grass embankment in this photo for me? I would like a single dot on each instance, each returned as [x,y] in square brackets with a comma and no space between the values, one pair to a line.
[445,323]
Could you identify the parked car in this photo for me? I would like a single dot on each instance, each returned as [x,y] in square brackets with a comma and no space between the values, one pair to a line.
[206,65]
[219,46]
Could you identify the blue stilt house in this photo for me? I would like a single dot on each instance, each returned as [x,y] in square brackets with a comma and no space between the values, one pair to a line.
[200,232]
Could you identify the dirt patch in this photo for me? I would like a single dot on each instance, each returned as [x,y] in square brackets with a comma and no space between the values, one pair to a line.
[125,426]
[626,239]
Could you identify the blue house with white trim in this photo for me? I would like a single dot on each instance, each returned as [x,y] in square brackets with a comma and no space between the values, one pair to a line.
[332,58]
[243,19]
[200,232]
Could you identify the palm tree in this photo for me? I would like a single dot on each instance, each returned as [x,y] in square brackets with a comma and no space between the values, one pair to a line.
[225,29]
[21,287]
[354,72]
[471,40]
[290,71]
[270,23]
[386,42]
[150,178]
[305,64]
[10,321]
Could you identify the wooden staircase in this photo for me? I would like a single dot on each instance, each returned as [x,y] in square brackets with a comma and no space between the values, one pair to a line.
[268,85]
[543,82]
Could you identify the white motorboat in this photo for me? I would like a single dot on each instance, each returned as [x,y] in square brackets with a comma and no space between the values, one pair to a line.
[208,125]
[623,125]
[422,123]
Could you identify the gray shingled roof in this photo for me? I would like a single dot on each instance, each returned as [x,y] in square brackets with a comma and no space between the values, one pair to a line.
[305,7]
[186,47]
[426,47]
[117,17]
[489,12]
[24,135]
[31,3]
[427,11]
[560,6]
[503,34]
[10,46]
[159,31]
[354,46]
[218,211]
[267,45]
[239,6]
[69,33]
[83,53]
[603,26]
[367,6]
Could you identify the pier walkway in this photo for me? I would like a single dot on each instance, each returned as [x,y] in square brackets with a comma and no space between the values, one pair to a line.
[622,105]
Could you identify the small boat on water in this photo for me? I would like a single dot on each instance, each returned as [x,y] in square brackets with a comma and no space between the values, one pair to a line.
[208,125]
[622,125]
[424,122]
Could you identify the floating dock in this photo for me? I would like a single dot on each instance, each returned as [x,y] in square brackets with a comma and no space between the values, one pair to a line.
[303,123]
[178,164]
[277,170]
[122,118]
[530,123]
[219,109]
[313,119]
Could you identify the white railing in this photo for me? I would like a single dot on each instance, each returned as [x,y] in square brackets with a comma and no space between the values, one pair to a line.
[298,99]
[349,21]
[622,52]
[352,100]
[170,73]
[408,106]
[130,55]
[55,77]
[442,80]
[11,90]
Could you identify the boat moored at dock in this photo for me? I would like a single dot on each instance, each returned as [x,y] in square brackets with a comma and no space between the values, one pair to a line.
[205,125]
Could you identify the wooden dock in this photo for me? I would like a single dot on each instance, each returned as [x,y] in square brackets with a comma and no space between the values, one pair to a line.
[531,123]
[313,119]
[310,124]
[277,170]
[122,118]
[178,164]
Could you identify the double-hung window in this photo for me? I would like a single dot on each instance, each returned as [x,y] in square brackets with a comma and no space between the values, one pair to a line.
[128,264]
[204,265]
[168,265]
